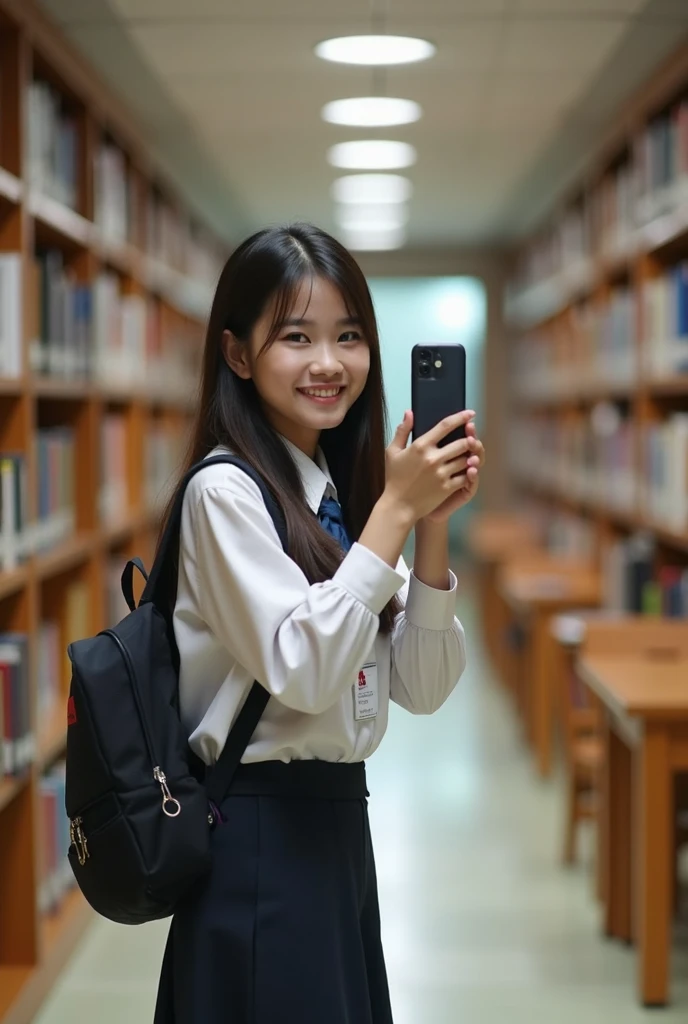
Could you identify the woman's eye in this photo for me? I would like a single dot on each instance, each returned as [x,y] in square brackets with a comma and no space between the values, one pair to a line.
[350,336]
[296,337]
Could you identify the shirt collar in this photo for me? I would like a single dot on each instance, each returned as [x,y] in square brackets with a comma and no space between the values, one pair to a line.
[315,476]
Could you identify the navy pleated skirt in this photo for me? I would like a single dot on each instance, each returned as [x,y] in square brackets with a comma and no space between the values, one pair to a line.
[286,927]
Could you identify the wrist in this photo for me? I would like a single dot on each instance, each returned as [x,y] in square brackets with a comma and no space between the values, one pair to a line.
[396,512]
[432,528]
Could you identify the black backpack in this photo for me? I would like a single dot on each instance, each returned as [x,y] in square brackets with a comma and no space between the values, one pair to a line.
[140,811]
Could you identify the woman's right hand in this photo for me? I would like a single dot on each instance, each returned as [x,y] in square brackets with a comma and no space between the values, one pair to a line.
[421,476]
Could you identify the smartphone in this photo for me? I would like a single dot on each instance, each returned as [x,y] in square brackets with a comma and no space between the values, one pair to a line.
[438,387]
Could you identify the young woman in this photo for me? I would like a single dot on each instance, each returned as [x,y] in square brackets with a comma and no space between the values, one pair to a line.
[286,928]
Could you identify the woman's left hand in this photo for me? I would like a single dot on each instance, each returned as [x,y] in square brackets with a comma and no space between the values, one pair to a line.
[470,467]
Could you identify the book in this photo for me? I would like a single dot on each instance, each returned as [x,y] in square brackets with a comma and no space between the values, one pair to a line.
[18,740]
[120,335]
[56,495]
[635,583]
[61,336]
[11,327]
[112,193]
[52,144]
[14,531]
[55,874]
[50,658]
[664,491]
[113,498]
[665,317]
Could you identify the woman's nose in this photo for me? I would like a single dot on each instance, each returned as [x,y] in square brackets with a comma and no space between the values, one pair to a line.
[326,360]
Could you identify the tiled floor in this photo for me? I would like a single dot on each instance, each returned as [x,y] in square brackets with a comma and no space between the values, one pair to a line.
[481,923]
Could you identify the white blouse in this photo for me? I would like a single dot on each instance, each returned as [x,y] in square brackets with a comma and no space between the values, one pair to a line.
[246,611]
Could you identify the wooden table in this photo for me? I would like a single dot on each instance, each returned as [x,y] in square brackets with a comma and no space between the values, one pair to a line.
[492,538]
[646,743]
[534,593]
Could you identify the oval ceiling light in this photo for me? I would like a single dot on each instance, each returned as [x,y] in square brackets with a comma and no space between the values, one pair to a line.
[375,50]
[374,241]
[372,188]
[371,112]
[372,217]
[372,154]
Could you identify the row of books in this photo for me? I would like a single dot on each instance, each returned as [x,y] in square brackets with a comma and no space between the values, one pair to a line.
[60,327]
[21,537]
[170,239]
[588,458]
[664,472]
[665,322]
[593,459]
[55,514]
[591,345]
[594,343]
[649,179]
[55,876]
[17,747]
[52,144]
[178,243]
[634,582]
[97,331]
[53,148]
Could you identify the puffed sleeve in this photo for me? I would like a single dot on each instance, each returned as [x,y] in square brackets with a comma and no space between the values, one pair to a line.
[303,642]
[428,646]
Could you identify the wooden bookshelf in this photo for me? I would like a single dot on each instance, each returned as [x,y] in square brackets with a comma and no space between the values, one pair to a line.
[100,237]
[598,311]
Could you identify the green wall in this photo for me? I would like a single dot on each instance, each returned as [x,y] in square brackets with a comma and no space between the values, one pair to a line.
[422,310]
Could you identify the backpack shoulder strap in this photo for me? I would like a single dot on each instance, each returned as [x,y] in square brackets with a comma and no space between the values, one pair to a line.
[158,582]
[245,725]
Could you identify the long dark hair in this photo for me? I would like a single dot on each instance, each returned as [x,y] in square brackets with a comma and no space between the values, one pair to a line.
[273,264]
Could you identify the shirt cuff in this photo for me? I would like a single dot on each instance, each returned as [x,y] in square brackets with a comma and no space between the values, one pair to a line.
[428,608]
[367,578]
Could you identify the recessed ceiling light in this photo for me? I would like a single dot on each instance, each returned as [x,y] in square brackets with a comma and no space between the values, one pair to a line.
[372,217]
[374,241]
[372,154]
[371,112]
[372,188]
[375,50]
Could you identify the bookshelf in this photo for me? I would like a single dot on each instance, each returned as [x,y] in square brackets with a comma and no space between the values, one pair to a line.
[597,308]
[106,279]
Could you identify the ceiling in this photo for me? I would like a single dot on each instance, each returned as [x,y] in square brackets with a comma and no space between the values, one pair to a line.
[230,93]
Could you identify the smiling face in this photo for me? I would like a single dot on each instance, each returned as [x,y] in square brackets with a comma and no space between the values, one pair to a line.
[315,369]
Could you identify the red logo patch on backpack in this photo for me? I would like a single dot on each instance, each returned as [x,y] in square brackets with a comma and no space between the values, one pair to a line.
[71,712]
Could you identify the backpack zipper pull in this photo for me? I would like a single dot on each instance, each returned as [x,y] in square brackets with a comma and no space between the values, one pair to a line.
[168,802]
[78,840]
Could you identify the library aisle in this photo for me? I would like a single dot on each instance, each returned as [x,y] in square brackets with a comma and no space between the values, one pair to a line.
[481,923]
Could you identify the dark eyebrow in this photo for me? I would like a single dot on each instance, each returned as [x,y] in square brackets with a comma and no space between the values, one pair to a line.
[347,321]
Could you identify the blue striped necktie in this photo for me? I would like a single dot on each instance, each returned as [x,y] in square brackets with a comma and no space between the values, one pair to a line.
[331,519]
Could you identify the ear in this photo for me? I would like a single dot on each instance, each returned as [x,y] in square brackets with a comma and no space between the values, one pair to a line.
[236,355]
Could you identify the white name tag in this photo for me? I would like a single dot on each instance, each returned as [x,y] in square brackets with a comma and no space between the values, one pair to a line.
[366,693]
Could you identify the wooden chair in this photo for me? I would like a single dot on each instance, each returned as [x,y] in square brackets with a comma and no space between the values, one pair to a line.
[581,720]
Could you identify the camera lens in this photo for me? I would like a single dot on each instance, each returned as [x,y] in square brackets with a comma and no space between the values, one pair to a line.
[425,355]
[424,369]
